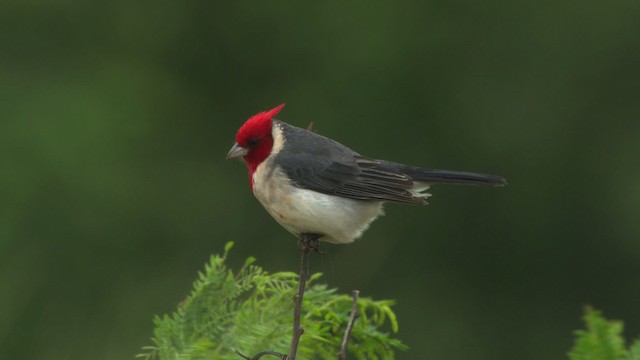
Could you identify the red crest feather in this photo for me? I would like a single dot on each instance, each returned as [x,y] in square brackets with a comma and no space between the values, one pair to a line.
[258,126]
[255,136]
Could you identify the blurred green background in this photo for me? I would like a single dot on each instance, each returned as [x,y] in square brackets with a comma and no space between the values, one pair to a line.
[115,118]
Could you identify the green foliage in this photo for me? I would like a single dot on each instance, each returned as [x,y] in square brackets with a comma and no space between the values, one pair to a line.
[602,340]
[251,311]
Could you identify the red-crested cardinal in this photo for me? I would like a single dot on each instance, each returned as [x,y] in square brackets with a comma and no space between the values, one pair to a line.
[311,184]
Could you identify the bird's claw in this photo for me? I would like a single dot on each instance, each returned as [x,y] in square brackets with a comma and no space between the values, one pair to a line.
[308,242]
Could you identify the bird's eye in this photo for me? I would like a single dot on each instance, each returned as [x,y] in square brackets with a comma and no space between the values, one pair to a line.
[253,142]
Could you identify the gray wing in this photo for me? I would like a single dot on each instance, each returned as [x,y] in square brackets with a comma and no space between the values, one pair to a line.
[318,163]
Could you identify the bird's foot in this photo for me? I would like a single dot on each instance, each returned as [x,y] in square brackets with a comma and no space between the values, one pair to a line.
[308,242]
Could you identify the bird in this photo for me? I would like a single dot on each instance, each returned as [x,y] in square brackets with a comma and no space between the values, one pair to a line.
[311,184]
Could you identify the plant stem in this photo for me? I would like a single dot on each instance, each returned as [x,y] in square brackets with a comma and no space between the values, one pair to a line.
[342,355]
[307,242]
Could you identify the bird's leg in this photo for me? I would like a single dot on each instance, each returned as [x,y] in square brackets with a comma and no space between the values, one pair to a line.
[306,242]
[309,242]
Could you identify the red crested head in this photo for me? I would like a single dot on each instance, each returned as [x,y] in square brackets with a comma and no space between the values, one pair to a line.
[254,140]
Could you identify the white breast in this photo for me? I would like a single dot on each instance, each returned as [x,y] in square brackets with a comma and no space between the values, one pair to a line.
[340,220]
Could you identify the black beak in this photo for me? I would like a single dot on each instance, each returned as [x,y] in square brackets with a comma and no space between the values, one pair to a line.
[236,152]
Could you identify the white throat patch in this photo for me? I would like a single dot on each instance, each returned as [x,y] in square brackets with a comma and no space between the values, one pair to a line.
[278,138]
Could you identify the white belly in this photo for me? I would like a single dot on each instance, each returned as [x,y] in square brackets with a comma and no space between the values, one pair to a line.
[340,220]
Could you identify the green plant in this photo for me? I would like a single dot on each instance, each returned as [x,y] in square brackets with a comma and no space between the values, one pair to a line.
[250,311]
[602,340]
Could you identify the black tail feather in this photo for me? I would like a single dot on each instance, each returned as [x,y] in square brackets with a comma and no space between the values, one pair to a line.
[435,176]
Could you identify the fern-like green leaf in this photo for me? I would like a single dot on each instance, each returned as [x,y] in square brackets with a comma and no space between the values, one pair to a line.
[634,351]
[602,340]
[251,311]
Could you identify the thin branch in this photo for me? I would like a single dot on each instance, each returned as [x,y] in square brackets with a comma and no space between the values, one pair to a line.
[342,355]
[297,309]
[261,354]
[307,242]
